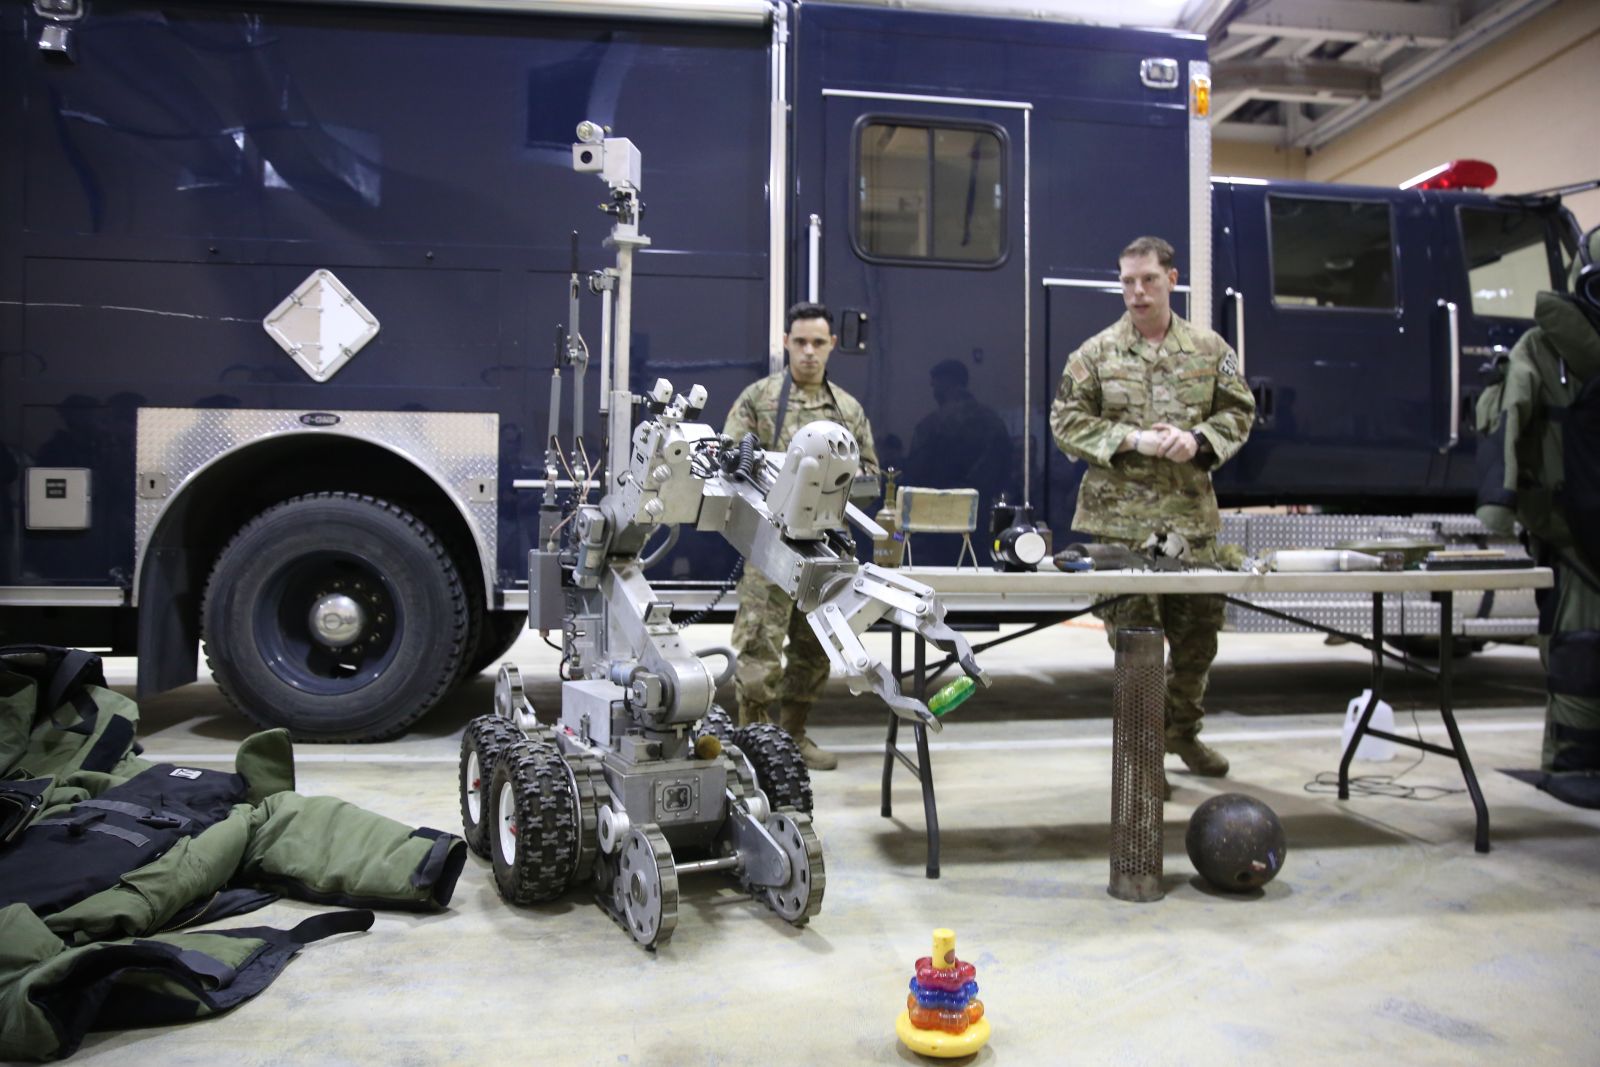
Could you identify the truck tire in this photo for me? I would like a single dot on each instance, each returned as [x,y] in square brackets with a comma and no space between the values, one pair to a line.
[388,641]
[501,630]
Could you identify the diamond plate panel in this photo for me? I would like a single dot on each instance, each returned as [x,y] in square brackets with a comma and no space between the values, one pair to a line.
[1418,616]
[458,450]
[1508,614]
[1259,533]
[1501,628]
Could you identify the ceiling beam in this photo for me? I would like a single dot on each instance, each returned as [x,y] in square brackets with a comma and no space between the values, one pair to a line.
[1349,20]
[1375,52]
[1299,77]
[1202,16]
[1233,45]
[1491,25]
[1225,104]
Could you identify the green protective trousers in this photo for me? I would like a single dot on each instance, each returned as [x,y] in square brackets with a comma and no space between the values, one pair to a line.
[1569,645]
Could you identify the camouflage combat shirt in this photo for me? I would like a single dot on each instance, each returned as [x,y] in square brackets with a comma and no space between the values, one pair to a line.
[756,411]
[1118,382]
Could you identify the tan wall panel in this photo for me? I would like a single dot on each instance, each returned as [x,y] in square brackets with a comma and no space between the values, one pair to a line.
[1525,103]
[1243,159]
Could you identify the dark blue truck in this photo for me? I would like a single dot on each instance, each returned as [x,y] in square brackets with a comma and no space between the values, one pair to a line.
[279,285]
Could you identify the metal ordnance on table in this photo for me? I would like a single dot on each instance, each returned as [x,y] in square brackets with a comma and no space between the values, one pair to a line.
[643,768]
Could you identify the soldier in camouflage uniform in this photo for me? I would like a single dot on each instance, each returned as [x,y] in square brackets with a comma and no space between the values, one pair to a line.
[767,674]
[1153,403]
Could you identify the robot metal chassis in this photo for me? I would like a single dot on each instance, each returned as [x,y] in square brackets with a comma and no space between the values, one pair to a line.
[642,767]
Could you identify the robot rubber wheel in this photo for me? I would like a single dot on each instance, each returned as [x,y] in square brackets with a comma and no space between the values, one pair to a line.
[646,888]
[484,739]
[801,897]
[780,771]
[534,840]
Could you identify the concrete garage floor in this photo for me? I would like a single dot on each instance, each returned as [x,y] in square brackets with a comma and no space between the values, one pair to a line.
[1385,935]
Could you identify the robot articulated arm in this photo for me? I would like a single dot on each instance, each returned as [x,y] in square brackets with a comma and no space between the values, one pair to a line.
[787,517]
[785,513]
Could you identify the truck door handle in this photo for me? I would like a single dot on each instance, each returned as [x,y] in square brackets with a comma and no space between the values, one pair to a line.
[1453,355]
[1266,402]
[853,330]
[1238,324]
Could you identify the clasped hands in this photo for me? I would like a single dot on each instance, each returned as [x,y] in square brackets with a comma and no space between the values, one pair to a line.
[1164,441]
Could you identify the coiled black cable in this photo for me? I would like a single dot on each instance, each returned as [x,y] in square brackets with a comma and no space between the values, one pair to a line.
[727,585]
[749,445]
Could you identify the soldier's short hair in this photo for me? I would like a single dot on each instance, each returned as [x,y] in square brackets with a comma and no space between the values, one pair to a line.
[807,310]
[1143,246]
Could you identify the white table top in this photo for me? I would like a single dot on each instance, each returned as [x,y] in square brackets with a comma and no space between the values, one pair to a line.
[967,588]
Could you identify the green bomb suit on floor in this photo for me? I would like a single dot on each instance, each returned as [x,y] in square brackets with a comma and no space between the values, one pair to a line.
[1541,427]
[112,867]
[1118,383]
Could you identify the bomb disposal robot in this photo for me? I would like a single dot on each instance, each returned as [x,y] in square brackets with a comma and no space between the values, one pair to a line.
[643,768]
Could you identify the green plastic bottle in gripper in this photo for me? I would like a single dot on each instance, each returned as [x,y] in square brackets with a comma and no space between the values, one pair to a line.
[952,696]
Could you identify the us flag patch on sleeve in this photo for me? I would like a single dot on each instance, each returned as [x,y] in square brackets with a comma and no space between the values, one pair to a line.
[1078,370]
[1230,364]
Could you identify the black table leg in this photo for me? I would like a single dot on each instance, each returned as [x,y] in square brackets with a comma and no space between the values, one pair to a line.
[890,749]
[1446,671]
[922,767]
[1372,701]
[930,806]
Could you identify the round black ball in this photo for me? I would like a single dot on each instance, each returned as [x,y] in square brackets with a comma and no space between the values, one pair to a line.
[1236,842]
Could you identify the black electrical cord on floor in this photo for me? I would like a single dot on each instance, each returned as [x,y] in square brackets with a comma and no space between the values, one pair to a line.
[1388,785]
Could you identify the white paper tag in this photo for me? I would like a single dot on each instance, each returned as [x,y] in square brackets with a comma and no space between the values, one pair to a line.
[184,772]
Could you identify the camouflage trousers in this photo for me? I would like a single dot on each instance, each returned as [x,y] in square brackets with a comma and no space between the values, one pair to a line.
[768,674]
[1191,624]
[1569,645]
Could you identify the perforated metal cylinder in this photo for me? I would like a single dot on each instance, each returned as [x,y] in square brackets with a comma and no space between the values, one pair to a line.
[1138,702]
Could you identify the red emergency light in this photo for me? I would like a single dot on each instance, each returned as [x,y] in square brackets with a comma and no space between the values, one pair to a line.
[1457,174]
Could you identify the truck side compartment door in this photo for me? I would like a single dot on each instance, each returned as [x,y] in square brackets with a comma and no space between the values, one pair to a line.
[921,259]
[1333,316]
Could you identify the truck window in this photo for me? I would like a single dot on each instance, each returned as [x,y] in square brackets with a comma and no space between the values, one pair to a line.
[1508,260]
[1331,253]
[930,193]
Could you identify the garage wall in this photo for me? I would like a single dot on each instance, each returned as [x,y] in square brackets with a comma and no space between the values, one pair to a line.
[1242,159]
[1525,103]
